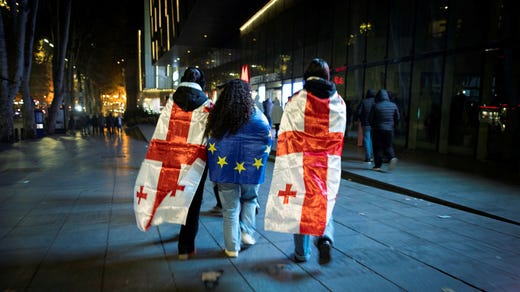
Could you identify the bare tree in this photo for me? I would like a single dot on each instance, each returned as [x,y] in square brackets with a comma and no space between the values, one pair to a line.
[29,124]
[61,32]
[12,44]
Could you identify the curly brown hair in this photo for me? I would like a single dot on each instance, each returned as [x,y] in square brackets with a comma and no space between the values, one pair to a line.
[233,109]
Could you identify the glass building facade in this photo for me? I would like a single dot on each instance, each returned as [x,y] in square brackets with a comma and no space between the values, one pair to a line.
[449,65]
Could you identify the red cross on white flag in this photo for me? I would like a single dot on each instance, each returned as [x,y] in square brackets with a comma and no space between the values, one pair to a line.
[307,169]
[173,167]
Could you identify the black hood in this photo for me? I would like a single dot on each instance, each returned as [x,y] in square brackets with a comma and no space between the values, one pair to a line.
[189,97]
[382,95]
[320,87]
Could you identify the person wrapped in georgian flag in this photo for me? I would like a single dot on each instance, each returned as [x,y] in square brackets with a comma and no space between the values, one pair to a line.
[170,183]
[307,170]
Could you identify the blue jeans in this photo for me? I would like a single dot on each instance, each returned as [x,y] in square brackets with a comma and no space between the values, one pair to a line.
[367,142]
[239,204]
[302,242]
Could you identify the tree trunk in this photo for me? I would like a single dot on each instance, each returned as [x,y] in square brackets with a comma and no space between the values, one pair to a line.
[12,59]
[29,124]
[6,128]
[58,68]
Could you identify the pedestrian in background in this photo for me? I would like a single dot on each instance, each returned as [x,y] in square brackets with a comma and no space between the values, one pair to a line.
[110,123]
[268,108]
[276,115]
[102,124]
[363,111]
[383,118]
[307,169]
[238,141]
[119,124]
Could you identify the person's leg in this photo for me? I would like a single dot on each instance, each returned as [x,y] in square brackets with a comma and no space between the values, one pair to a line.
[302,247]
[218,207]
[249,203]
[378,153]
[386,144]
[367,142]
[215,190]
[188,232]
[325,243]
[388,137]
[229,196]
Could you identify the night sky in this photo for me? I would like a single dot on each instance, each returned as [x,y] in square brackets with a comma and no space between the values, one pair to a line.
[104,31]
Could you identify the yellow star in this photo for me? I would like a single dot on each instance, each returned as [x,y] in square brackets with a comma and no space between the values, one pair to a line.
[258,163]
[240,167]
[222,161]
[212,148]
[267,149]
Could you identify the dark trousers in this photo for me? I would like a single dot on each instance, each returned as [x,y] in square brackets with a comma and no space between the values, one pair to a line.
[189,231]
[383,146]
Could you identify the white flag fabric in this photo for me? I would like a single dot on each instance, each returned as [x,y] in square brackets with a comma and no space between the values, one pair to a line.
[173,167]
[307,170]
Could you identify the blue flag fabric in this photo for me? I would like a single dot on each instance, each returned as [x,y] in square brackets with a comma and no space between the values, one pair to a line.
[241,158]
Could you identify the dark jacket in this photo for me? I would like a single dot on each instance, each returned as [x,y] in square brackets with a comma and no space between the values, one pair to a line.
[189,96]
[268,107]
[384,114]
[364,107]
[319,87]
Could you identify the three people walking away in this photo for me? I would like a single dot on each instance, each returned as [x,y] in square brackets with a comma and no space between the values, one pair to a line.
[363,112]
[239,140]
[307,169]
[171,179]
[383,118]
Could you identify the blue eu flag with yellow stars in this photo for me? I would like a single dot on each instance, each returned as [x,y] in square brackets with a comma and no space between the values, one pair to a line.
[241,158]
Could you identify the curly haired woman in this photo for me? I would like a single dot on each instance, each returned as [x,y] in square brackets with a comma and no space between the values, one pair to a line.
[238,146]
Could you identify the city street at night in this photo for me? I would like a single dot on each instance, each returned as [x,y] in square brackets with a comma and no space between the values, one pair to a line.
[68,225]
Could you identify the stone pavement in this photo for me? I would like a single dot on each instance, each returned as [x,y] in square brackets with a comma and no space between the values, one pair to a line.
[68,225]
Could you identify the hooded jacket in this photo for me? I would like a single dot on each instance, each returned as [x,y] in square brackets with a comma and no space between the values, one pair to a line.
[363,110]
[189,96]
[384,114]
[319,87]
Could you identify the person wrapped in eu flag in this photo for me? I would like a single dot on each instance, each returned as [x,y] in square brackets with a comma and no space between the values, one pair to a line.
[239,142]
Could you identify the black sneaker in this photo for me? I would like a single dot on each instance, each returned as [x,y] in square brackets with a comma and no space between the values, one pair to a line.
[324,247]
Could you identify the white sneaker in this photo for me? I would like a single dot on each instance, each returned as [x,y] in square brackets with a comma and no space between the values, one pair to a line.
[247,239]
[392,164]
[231,254]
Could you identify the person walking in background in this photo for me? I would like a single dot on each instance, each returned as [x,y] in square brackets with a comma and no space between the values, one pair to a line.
[363,112]
[239,139]
[383,118]
[102,124]
[110,124]
[174,171]
[71,125]
[268,108]
[276,115]
[95,125]
[307,168]
[119,124]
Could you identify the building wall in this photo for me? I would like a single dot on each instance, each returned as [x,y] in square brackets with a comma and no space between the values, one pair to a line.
[442,60]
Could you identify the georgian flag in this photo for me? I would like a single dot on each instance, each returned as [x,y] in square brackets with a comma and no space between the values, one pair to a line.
[307,170]
[173,167]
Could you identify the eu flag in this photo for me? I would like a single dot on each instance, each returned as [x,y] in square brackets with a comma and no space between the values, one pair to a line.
[240,158]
